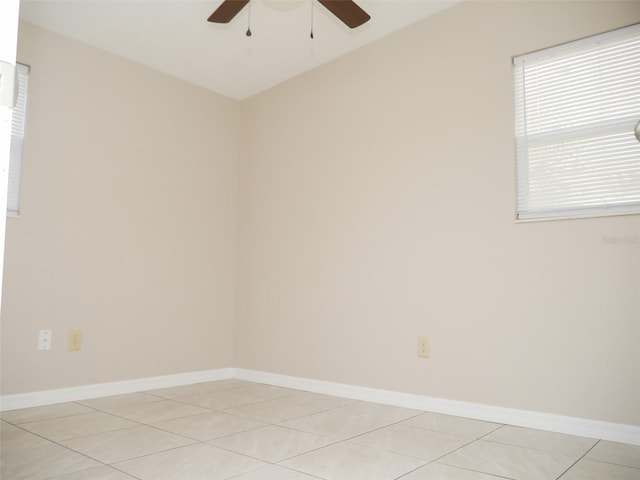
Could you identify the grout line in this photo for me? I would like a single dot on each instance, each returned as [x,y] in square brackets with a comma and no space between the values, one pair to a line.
[456,467]
[58,444]
[537,449]
[574,463]
[94,410]
[615,464]
[473,440]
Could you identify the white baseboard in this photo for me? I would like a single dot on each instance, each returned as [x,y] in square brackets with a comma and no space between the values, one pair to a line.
[542,421]
[582,427]
[84,392]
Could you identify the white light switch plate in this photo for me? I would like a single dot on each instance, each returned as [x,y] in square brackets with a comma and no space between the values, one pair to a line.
[44,340]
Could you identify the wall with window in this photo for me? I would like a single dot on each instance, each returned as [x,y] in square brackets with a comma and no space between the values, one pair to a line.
[127,231]
[378,204]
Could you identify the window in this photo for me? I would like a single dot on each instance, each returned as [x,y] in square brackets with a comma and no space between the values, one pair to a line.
[576,109]
[18,121]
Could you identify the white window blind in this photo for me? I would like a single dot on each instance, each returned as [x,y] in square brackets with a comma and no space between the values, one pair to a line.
[576,108]
[18,122]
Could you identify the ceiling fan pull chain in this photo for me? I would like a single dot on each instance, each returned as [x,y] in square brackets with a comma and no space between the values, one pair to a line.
[249,22]
[311,35]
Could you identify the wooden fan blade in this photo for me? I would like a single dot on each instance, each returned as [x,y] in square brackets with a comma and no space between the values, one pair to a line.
[225,12]
[347,11]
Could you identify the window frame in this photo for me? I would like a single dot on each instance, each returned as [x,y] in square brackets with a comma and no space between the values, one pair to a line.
[524,211]
[18,132]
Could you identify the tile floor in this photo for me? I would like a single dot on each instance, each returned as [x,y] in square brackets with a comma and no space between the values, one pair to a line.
[232,429]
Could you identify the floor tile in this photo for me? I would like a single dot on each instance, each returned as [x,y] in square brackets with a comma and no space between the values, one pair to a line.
[42,461]
[195,462]
[618,453]
[436,471]
[273,411]
[117,401]
[267,391]
[223,399]
[77,425]
[274,472]
[157,411]
[199,388]
[97,473]
[208,426]
[235,429]
[345,461]
[124,444]
[591,470]
[509,461]
[384,413]
[333,424]
[412,441]
[14,438]
[318,400]
[450,424]
[35,414]
[541,440]
[272,443]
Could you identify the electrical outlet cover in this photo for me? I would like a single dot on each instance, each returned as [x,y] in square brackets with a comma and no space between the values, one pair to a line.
[75,340]
[424,348]
[44,340]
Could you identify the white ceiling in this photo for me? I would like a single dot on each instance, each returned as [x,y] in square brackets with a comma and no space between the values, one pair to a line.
[174,37]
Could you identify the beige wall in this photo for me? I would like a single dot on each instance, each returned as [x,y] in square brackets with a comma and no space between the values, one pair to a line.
[377,204]
[128,225]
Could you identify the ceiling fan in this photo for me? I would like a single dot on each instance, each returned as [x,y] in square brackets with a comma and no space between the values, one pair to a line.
[346,10]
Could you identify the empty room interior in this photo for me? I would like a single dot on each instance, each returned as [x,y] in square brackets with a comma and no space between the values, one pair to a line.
[302,239]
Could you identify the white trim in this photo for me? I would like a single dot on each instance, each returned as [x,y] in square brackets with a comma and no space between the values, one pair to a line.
[84,392]
[573,217]
[564,48]
[541,421]
[615,432]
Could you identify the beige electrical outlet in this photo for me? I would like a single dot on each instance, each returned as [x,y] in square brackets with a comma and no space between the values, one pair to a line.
[424,348]
[75,340]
